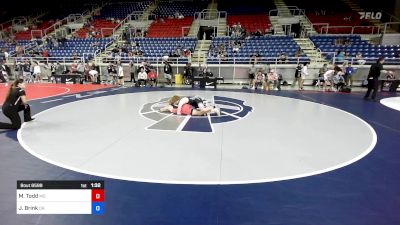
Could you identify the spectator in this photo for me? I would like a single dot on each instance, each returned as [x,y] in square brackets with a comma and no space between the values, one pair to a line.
[152,77]
[6,55]
[46,71]
[75,56]
[19,50]
[94,74]
[347,42]
[111,77]
[117,57]
[271,31]
[4,72]
[37,73]
[209,73]
[252,73]
[347,57]
[45,53]
[349,71]
[168,72]
[28,67]
[86,72]
[321,73]
[134,44]
[95,44]
[133,69]
[254,58]
[304,74]
[121,76]
[74,67]
[340,56]
[80,68]
[142,77]
[188,73]
[360,59]
[53,70]
[236,46]
[2,56]
[338,41]
[188,55]
[202,70]
[298,53]
[283,57]
[259,80]
[59,69]
[273,78]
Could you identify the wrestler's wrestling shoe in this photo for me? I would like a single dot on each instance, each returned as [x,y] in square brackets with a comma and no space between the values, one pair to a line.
[216,111]
[29,120]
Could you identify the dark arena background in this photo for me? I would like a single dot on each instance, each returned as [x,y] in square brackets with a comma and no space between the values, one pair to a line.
[278,112]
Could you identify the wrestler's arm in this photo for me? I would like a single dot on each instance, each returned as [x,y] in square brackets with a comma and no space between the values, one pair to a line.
[167,108]
[24,100]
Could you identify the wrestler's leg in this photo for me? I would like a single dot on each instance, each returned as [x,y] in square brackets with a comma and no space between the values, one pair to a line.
[201,112]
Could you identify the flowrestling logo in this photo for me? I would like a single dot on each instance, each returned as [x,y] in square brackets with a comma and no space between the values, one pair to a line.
[231,110]
[370,15]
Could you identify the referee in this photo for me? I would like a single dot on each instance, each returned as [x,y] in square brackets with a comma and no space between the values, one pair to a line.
[373,78]
[15,102]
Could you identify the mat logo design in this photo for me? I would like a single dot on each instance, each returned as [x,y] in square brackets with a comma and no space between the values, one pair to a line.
[231,110]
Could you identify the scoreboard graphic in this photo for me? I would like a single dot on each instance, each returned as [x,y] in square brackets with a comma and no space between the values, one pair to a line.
[60,197]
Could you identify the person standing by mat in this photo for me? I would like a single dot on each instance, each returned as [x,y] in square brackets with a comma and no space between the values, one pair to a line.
[168,72]
[120,71]
[15,102]
[304,74]
[3,74]
[373,78]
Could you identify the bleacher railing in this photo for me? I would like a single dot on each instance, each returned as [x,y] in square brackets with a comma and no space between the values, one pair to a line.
[76,18]
[159,60]
[273,12]
[133,16]
[390,18]
[19,21]
[72,18]
[294,10]
[234,70]
[351,29]
[333,59]
[5,25]
[210,14]
[388,25]
[44,32]
[260,60]
[30,47]
[48,60]
[136,15]
[330,57]
[135,30]
[26,49]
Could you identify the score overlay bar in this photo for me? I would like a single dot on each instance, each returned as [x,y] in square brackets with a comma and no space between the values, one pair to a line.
[60,197]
